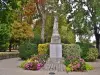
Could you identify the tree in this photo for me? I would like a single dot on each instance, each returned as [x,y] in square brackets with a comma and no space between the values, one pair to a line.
[29,9]
[49,27]
[41,10]
[85,17]
[21,32]
[4,37]
[66,32]
[93,8]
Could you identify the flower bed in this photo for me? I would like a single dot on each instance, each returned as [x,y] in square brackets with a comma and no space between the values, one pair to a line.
[6,55]
[34,63]
[76,64]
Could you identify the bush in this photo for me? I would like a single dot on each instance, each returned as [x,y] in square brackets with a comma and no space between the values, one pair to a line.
[85,49]
[36,39]
[4,47]
[43,49]
[92,54]
[76,64]
[37,33]
[88,67]
[71,50]
[34,63]
[88,52]
[6,55]
[27,49]
[4,37]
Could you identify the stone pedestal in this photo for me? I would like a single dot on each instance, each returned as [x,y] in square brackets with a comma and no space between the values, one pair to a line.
[55,50]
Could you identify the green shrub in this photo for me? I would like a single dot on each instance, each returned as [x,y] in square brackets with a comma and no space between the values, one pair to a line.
[85,49]
[71,50]
[36,39]
[4,37]
[92,54]
[76,64]
[68,68]
[22,65]
[6,55]
[88,67]
[37,33]
[4,46]
[88,52]
[27,49]
[43,49]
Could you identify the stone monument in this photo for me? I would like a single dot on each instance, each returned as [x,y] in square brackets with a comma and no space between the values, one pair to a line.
[55,45]
[55,63]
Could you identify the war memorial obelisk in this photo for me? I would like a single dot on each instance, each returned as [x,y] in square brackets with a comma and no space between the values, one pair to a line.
[55,45]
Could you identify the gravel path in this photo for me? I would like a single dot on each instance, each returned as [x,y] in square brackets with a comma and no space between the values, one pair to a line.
[10,67]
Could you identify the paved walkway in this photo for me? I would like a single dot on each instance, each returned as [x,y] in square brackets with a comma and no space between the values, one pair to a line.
[10,67]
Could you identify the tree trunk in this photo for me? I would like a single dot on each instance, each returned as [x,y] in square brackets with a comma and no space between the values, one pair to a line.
[43,27]
[97,41]
[10,47]
[97,37]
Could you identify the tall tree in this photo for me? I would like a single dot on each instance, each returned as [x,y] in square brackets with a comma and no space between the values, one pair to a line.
[85,16]
[93,8]
[42,12]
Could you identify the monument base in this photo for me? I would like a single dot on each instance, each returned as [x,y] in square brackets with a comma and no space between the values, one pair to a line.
[55,50]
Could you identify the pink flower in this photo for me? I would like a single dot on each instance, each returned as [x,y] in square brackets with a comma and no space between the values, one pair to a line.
[39,66]
[78,65]
[82,61]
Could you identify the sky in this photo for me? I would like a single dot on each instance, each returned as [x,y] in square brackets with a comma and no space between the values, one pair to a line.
[92,39]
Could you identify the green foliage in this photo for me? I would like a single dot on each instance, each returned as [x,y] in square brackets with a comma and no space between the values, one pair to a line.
[67,35]
[4,36]
[71,50]
[76,64]
[49,27]
[36,39]
[88,67]
[85,49]
[6,55]
[27,49]
[37,33]
[21,31]
[68,68]
[24,62]
[88,53]
[92,54]
[43,49]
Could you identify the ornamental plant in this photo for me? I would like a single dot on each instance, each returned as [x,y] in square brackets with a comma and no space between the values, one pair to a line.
[71,50]
[76,64]
[27,49]
[92,54]
[34,63]
[43,49]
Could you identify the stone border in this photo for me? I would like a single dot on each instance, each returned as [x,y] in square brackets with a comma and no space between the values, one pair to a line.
[7,55]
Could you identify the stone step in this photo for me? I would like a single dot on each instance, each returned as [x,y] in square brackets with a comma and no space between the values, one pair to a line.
[54,65]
